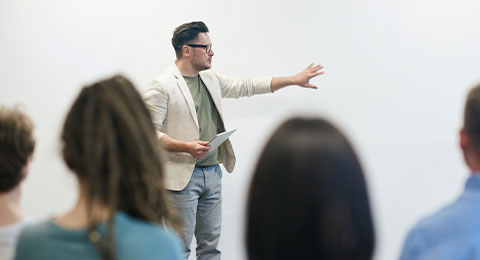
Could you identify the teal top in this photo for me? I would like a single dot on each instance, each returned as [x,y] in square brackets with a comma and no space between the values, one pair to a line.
[134,239]
[207,116]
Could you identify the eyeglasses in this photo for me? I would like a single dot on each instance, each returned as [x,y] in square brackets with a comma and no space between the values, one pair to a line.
[207,47]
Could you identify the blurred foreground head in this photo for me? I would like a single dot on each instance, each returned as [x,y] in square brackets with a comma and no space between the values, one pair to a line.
[109,142]
[308,197]
[16,147]
[470,133]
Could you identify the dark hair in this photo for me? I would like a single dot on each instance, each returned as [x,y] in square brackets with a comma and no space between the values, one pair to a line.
[186,33]
[472,117]
[111,145]
[308,197]
[16,146]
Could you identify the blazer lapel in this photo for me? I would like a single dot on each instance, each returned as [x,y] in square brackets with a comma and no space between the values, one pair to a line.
[186,93]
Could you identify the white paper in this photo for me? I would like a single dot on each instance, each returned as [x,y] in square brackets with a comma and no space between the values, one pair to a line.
[219,139]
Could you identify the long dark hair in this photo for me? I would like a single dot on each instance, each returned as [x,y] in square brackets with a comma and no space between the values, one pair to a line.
[308,197]
[109,142]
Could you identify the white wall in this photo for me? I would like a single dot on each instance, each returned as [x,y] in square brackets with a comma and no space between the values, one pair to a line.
[396,77]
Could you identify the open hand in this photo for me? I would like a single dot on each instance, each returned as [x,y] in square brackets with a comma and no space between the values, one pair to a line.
[303,78]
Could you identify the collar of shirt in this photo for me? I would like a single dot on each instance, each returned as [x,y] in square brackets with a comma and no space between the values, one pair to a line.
[473,182]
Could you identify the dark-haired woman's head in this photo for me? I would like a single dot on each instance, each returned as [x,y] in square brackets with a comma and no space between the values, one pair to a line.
[308,197]
[109,142]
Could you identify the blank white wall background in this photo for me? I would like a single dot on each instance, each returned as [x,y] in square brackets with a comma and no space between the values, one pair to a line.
[396,78]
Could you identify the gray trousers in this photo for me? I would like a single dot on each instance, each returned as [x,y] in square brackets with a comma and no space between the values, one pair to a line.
[200,205]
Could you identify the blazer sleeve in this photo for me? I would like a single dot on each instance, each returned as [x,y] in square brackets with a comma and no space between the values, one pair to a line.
[156,99]
[232,87]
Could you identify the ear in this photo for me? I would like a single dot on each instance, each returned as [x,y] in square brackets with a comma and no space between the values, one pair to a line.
[64,154]
[25,169]
[463,140]
[185,51]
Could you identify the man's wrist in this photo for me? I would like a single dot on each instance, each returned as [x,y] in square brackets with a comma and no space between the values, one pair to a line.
[289,80]
[292,80]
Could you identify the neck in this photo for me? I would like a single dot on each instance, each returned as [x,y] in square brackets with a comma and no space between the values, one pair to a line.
[10,209]
[77,218]
[474,168]
[472,160]
[186,68]
[475,171]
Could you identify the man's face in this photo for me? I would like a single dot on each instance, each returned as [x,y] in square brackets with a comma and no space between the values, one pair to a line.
[200,59]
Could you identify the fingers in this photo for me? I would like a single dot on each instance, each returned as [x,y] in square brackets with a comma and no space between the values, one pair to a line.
[199,149]
[318,67]
[313,75]
[314,71]
[203,148]
[201,153]
[309,86]
[314,68]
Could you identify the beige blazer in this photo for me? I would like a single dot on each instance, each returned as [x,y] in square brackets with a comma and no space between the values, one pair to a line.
[173,111]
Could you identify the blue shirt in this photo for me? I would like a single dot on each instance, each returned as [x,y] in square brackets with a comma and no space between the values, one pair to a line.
[451,233]
[134,239]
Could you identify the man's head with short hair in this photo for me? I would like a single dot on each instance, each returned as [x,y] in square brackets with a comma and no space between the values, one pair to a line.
[16,146]
[185,34]
[472,117]
[470,132]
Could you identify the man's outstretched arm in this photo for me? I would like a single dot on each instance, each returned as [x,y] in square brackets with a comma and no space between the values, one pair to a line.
[301,79]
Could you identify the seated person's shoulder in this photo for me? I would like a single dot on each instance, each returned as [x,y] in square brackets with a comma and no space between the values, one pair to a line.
[30,238]
[450,225]
[33,230]
[145,239]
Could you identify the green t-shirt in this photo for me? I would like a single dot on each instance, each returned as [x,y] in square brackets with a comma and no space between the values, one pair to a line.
[207,116]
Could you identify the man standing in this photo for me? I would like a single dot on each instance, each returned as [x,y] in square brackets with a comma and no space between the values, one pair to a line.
[454,232]
[185,102]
